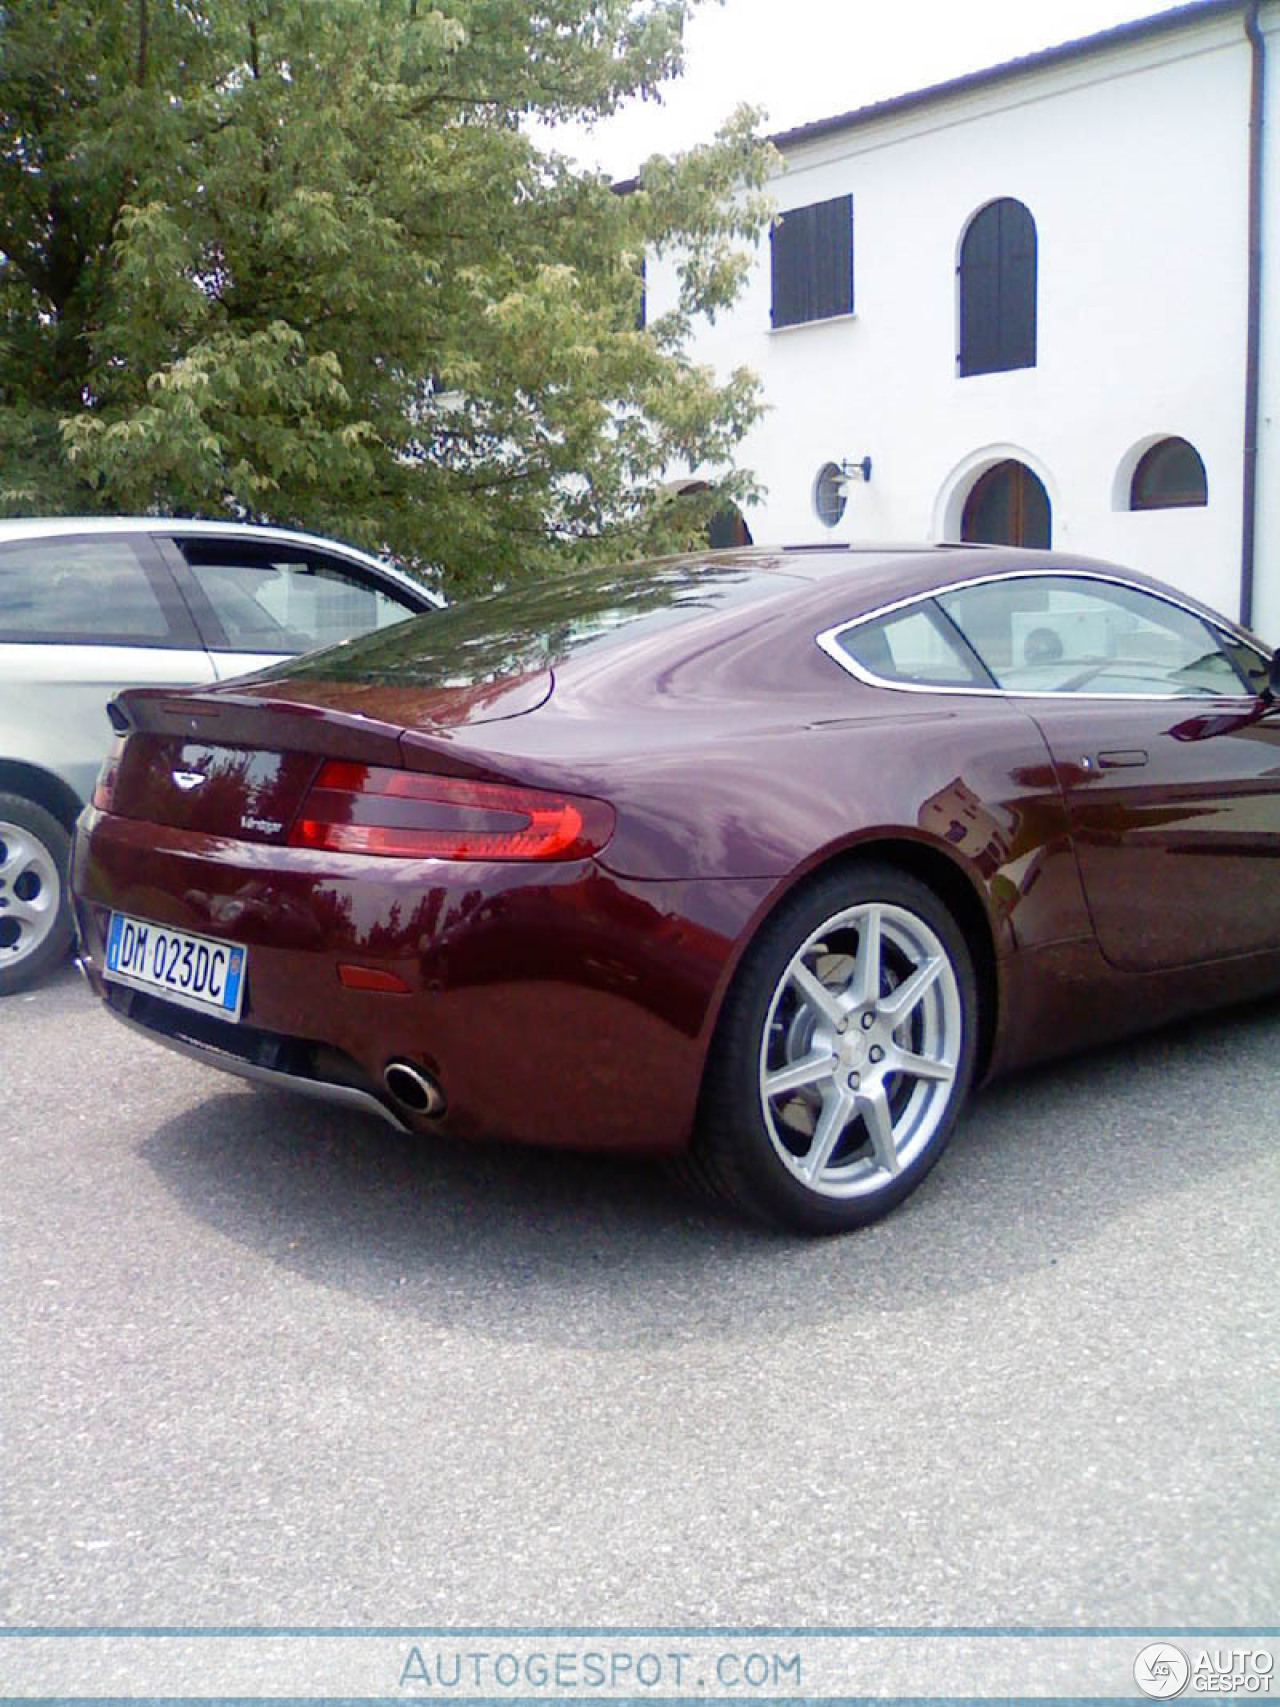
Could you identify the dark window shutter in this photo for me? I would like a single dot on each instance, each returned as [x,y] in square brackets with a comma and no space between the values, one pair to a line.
[812,262]
[1017,285]
[998,290]
[980,293]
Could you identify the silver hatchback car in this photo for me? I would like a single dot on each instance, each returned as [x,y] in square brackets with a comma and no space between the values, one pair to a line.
[91,606]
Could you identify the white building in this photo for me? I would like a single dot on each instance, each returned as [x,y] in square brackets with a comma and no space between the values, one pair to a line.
[1011,291]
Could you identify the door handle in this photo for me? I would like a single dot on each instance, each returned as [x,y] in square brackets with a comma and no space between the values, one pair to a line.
[1122,759]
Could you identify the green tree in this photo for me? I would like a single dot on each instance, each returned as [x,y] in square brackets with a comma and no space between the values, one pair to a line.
[300,260]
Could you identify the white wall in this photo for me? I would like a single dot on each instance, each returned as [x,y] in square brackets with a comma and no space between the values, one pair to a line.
[1134,165]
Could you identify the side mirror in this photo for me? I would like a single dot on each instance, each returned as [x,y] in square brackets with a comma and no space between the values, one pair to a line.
[1272,689]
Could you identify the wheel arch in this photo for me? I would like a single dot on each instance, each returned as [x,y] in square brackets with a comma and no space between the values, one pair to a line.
[939,872]
[964,902]
[58,798]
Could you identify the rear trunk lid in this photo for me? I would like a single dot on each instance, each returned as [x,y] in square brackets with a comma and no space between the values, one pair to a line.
[238,762]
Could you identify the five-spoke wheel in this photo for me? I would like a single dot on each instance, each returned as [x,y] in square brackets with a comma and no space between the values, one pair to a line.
[844,1053]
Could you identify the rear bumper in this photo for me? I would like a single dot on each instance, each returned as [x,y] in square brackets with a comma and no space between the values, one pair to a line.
[553,1004]
[254,1056]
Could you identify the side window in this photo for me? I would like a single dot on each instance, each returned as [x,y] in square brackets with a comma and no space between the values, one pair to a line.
[912,646]
[272,600]
[1059,634]
[812,262]
[92,592]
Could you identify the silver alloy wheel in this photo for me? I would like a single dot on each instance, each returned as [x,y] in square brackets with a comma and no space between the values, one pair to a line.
[860,1050]
[30,894]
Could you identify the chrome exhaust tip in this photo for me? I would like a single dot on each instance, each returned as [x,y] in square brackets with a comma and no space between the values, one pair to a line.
[412,1088]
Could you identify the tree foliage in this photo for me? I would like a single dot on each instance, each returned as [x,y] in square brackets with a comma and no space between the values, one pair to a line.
[300,260]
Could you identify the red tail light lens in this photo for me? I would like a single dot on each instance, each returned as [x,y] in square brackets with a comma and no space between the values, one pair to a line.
[105,787]
[373,809]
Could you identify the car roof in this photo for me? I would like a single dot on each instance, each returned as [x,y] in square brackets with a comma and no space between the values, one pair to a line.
[51,527]
[766,649]
[825,586]
[882,575]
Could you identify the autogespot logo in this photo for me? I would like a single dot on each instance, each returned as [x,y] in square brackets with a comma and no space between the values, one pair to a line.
[1161,1670]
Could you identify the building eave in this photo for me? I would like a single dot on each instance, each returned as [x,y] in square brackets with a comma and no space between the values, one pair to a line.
[1141,30]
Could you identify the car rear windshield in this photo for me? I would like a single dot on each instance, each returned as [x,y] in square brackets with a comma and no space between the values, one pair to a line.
[533,628]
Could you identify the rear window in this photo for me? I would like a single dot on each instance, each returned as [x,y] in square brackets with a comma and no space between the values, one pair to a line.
[534,628]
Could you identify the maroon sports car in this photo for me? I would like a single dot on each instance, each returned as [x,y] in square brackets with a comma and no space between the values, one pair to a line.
[759,858]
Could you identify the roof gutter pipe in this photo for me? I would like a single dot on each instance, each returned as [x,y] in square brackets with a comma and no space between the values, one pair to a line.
[1257,92]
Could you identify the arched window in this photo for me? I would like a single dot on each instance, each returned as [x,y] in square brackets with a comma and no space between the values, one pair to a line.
[998,289]
[1169,477]
[1008,506]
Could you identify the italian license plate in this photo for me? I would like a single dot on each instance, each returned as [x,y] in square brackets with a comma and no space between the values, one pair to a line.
[196,971]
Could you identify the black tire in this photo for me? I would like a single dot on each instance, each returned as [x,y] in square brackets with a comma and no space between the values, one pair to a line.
[35,897]
[799,1005]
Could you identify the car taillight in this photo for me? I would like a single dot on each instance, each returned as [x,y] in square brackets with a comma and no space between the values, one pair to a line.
[373,809]
[104,788]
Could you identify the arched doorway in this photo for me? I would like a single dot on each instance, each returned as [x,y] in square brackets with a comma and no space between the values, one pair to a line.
[728,528]
[1007,506]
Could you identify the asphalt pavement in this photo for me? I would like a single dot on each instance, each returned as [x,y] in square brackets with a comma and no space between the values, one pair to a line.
[267,1362]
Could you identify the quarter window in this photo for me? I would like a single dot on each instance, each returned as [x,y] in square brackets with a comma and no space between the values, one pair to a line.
[915,646]
[812,262]
[1060,634]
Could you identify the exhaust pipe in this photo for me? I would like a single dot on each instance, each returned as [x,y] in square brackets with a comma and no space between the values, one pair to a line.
[412,1088]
